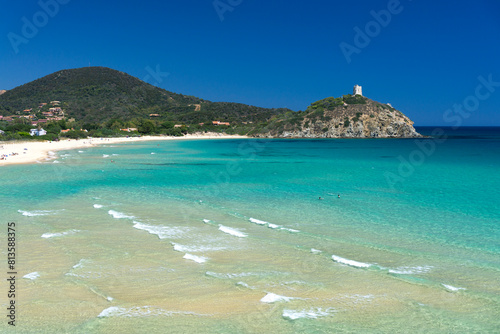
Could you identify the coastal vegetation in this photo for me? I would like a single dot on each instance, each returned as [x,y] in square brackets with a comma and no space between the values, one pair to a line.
[102,102]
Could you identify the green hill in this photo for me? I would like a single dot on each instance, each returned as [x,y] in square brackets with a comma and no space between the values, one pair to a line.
[103,101]
[98,94]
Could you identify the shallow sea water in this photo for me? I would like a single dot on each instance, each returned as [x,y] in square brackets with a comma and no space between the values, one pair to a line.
[229,236]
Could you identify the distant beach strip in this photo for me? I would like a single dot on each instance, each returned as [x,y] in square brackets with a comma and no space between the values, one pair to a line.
[32,152]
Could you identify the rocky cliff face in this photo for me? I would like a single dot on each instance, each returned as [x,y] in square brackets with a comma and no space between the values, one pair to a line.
[345,117]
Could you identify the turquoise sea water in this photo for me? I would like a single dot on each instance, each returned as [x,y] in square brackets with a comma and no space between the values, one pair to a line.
[230,236]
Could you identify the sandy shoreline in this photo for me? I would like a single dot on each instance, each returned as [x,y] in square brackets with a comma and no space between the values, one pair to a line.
[32,152]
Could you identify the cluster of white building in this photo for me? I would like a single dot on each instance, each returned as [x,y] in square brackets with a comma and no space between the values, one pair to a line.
[37,132]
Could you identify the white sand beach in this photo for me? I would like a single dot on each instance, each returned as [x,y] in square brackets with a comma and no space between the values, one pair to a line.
[32,151]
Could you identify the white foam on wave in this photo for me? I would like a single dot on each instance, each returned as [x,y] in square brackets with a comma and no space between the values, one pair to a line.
[295,282]
[315,251]
[290,230]
[35,213]
[181,248]
[351,263]
[312,313]
[60,234]
[56,162]
[359,299]
[232,231]
[243,284]
[195,258]
[119,215]
[163,232]
[97,206]
[452,288]
[80,263]
[32,276]
[196,248]
[411,270]
[258,222]
[139,311]
[83,270]
[273,226]
[229,276]
[80,151]
[153,153]
[207,221]
[272,298]
[105,155]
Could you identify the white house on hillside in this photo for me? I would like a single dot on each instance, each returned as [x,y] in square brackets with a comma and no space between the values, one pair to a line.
[36,132]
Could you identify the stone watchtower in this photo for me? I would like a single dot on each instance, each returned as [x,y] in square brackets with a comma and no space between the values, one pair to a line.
[357,90]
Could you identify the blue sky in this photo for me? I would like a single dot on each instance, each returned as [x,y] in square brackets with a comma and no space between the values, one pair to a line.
[425,60]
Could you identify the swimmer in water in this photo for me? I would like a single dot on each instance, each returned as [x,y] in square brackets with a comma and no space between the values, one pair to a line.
[338,196]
